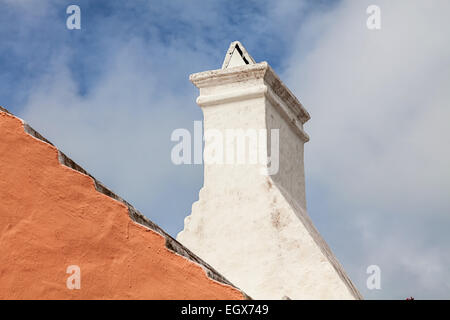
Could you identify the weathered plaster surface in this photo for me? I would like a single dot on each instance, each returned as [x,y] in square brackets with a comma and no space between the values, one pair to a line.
[53,214]
[255,229]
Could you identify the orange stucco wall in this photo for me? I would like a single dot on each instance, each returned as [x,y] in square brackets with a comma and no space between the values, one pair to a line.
[51,217]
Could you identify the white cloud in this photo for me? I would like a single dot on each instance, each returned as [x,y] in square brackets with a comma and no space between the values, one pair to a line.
[120,131]
[379,102]
[379,131]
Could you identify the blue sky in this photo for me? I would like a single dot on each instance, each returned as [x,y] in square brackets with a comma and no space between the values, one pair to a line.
[109,95]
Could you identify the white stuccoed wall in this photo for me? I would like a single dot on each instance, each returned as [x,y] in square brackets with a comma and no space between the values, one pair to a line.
[254,229]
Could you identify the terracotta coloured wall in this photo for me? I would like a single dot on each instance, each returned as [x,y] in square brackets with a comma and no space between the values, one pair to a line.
[51,216]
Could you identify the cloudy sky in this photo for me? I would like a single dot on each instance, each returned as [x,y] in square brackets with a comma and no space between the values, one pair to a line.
[377,166]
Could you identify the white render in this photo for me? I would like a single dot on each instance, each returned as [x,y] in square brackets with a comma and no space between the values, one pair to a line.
[254,229]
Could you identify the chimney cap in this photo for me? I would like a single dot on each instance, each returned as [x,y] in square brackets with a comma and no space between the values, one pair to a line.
[236,56]
[260,70]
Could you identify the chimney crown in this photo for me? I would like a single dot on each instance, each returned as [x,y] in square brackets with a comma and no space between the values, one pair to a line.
[245,79]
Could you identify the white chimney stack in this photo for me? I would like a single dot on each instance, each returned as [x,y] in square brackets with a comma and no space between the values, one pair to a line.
[250,222]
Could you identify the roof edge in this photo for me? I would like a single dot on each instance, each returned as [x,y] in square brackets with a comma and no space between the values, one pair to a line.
[170,243]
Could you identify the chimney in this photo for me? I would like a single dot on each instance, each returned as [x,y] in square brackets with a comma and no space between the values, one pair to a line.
[250,222]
